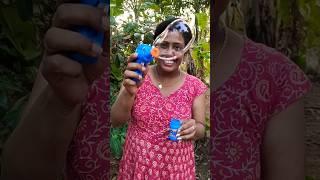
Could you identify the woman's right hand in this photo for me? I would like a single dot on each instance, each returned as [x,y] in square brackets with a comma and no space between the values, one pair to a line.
[130,85]
[69,79]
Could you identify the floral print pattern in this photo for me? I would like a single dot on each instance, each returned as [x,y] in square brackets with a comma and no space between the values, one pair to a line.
[265,83]
[88,155]
[148,154]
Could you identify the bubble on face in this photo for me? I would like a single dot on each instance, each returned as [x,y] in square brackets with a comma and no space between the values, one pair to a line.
[181,27]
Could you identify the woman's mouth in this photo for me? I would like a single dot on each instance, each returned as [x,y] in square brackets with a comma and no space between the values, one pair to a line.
[168,62]
[168,58]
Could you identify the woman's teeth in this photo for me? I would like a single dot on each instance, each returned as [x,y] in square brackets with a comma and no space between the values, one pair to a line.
[168,62]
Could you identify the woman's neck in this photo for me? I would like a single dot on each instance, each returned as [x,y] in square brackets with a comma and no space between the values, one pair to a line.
[166,75]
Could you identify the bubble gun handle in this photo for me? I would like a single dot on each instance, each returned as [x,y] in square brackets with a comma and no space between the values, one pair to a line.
[145,53]
[90,33]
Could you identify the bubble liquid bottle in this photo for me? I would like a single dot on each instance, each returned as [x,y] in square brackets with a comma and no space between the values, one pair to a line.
[175,124]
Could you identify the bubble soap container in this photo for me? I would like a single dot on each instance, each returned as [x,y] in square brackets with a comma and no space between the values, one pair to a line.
[175,124]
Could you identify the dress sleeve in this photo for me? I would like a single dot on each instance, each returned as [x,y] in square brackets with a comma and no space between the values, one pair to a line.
[289,83]
[199,87]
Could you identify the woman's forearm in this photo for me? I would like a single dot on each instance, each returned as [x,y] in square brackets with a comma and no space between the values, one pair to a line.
[200,131]
[198,114]
[121,109]
[38,146]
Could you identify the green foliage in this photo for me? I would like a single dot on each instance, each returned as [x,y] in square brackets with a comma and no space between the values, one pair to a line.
[25,9]
[116,7]
[201,53]
[301,17]
[117,139]
[10,117]
[291,27]
[284,11]
[21,34]
[202,20]
[309,178]
[310,10]
[22,24]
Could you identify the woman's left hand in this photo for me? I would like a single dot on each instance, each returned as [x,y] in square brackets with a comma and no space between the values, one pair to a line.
[187,130]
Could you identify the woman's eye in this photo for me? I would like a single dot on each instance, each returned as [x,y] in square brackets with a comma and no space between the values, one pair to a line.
[177,48]
[164,46]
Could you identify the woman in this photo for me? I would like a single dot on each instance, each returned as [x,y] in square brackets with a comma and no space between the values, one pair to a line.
[256,109]
[163,93]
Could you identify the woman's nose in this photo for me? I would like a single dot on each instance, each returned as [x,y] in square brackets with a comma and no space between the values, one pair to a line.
[171,51]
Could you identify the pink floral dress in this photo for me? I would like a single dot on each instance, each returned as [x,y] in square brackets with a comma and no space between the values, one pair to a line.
[88,155]
[148,154]
[265,83]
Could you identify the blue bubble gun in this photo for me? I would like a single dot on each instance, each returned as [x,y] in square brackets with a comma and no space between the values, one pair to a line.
[90,33]
[145,53]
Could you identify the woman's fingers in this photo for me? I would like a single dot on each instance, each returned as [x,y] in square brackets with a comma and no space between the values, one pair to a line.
[60,64]
[186,124]
[129,82]
[187,130]
[187,136]
[132,58]
[145,70]
[69,15]
[68,78]
[65,78]
[95,70]
[60,40]
[132,78]
[131,74]
[134,66]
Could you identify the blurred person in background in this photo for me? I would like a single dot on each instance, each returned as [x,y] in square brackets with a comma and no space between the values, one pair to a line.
[257,110]
[64,128]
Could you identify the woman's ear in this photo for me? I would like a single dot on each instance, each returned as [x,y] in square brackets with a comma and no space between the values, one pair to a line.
[183,62]
[186,58]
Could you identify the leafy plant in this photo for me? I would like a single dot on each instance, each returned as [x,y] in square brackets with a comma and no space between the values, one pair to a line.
[22,25]
[117,139]
[309,178]
[291,27]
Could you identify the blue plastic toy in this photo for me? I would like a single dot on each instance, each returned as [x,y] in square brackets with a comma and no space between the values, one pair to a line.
[145,53]
[175,124]
[92,34]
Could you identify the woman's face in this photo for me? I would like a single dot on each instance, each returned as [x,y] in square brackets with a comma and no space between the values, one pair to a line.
[172,45]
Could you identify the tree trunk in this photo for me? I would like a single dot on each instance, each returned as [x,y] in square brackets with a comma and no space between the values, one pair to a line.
[265,24]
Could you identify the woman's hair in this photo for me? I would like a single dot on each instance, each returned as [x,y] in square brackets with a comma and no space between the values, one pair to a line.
[187,35]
